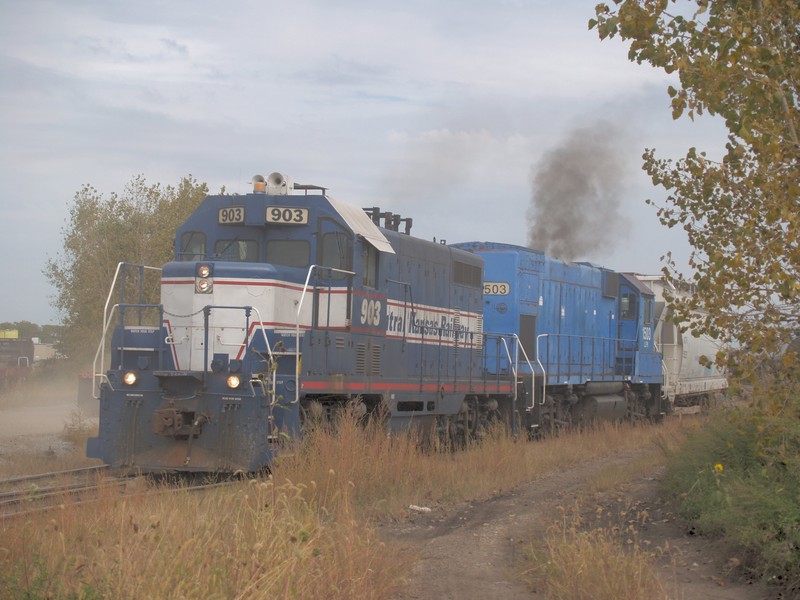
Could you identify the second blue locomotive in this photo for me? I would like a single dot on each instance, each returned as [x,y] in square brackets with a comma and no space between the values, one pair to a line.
[584,333]
[283,307]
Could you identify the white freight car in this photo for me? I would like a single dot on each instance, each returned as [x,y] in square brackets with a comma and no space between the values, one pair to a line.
[686,381]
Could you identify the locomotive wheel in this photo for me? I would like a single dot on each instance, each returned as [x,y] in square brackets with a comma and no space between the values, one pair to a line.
[463,425]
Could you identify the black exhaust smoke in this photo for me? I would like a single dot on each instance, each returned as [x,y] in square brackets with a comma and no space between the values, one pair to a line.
[577,194]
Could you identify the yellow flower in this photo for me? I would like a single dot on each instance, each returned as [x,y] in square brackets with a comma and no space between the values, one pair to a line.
[719,468]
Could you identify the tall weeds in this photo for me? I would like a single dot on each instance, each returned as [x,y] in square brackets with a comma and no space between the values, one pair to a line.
[739,479]
[305,532]
[578,561]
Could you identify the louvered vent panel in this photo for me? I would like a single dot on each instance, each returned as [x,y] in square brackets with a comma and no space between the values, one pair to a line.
[340,343]
[375,367]
[361,359]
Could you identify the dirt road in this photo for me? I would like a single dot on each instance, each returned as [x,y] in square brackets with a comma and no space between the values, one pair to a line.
[469,552]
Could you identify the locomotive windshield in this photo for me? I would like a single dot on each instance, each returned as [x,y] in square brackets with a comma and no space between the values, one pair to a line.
[289,253]
[193,246]
[236,250]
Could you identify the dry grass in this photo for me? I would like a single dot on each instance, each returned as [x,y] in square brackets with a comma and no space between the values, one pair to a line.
[305,533]
[78,429]
[576,561]
[390,473]
[250,540]
[579,559]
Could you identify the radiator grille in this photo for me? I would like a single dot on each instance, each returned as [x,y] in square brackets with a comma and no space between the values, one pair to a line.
[375,367]
[361,359]
[368,359]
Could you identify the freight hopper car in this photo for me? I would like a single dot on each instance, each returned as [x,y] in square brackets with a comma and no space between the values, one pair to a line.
[585,336]
[284,305]
[688,382]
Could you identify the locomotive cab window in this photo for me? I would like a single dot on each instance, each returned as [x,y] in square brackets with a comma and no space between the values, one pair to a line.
[236,250]
[335,252]
[648,311]
[289,253]
[370,265]
[193,246]
[627,306]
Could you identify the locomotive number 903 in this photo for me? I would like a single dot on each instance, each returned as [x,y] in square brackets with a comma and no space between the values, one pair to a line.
[287,215]
[231,214]
[370,312]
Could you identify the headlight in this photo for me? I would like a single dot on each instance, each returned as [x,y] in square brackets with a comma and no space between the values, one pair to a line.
[203,286]
[233,381]
[129,378]
[203,271]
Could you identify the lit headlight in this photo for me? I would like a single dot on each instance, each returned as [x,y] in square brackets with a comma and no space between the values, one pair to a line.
[233,381]
[203,286]
[129,378]
[203,271]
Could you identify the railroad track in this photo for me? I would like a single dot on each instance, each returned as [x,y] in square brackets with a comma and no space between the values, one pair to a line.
[22,496]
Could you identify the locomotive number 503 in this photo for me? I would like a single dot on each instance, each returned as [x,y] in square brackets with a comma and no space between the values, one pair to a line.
[496,288]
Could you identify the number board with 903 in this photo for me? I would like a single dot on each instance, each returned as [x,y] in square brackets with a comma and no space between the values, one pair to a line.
[287,215]
[230,215]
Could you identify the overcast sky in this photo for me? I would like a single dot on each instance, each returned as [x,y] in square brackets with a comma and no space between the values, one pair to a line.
[444,111]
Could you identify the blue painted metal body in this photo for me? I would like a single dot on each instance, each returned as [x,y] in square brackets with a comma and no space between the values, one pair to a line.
[310,306]
[581,326]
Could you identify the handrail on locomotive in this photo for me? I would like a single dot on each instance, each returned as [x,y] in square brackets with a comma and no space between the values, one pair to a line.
[108,319]
[297,316]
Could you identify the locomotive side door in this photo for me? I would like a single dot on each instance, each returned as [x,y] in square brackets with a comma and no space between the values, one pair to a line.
[332,290]
[627,328]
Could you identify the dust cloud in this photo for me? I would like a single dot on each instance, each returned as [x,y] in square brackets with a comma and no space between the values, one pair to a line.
[577,191]
[38,406]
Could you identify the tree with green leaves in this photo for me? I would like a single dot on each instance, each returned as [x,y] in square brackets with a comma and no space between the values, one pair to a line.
[135,226]
[738,60]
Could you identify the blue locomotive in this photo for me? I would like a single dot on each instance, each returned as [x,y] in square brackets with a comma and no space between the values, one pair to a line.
[585,348]
[284,305]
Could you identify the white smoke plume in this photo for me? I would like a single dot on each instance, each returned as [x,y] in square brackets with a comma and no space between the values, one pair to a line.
[577,193]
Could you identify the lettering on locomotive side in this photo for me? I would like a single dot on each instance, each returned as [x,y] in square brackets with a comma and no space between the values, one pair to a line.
[429,324]
[647,336]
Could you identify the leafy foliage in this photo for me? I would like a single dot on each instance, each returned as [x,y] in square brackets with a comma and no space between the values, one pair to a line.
[739,477]
[135,226]
[739,60]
